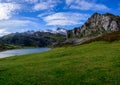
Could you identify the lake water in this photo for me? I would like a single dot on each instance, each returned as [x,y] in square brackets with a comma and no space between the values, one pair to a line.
[15,52]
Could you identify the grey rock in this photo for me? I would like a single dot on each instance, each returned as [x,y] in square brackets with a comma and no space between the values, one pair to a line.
[96,25]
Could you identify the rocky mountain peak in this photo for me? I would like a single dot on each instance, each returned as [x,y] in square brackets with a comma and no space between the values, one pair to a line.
[109,14]
[95,14]
[97,24]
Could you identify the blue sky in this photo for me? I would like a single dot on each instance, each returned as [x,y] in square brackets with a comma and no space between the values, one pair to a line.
[23,15]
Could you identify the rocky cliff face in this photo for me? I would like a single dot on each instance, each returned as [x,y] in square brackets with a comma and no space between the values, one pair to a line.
[97,24]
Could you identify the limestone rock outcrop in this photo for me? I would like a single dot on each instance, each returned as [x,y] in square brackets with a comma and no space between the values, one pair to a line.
[97,24]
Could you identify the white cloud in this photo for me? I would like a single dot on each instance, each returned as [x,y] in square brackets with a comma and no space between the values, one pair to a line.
[3,32]
[20,1]
[68,2]
[41,6]
[45,14]
[14,23]
[65,19]
[85,5]
[44,5]
[31,1]
[17,25]
[7,9]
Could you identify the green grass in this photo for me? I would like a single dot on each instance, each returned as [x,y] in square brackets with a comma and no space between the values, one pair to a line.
[109,37]
[97,63]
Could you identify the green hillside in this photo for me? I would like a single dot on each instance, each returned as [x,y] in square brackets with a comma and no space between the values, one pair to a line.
[97,63]
[110,37]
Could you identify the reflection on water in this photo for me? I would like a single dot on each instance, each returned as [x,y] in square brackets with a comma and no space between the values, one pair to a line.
[15,52]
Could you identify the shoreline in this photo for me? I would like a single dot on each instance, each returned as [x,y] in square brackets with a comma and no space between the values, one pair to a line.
[22,51]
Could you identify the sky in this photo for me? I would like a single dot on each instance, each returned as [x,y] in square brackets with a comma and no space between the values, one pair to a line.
[24,15]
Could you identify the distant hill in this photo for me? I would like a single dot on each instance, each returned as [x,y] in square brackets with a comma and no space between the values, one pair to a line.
[58,30]
[30,38]
[8,47]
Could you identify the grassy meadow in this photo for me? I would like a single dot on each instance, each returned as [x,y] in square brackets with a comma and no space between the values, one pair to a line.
[96,63]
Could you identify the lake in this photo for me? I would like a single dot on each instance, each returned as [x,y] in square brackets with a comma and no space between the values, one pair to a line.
[17,52]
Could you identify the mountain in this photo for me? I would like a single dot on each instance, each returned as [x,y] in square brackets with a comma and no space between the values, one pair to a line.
[96,25]
[31,38]
[95,28]
[62,31]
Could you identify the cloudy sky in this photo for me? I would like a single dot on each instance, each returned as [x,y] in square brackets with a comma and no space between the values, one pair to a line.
[23,15]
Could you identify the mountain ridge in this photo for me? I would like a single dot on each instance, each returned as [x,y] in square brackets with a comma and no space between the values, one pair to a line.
[97,24]
[95,28]
[30,38]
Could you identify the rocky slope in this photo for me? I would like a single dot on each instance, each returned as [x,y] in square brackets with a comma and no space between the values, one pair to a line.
[96,25]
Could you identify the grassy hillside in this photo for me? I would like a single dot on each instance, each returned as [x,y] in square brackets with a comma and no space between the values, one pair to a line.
[97,63]
[106,37]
